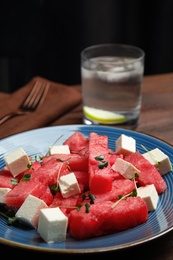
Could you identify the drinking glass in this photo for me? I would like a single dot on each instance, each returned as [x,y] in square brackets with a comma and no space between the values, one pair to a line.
[112,76]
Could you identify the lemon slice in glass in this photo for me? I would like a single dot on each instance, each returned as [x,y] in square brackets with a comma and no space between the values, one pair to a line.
[103,116]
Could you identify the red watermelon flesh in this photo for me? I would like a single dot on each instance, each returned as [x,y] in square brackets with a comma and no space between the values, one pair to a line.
[120,187]
[34,167]
[148,172]
[100,180]
[65,204]
[47,196]
[116,175]
[82,178]
[6,177]
[98,145]
[49,172]
[114,156]
[19,193]
[76,162]
[102,219]
[77,143]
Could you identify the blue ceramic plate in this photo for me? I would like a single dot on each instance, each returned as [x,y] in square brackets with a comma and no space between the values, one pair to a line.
[37,142]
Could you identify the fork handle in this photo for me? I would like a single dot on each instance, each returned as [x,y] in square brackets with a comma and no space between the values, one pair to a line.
[10,115]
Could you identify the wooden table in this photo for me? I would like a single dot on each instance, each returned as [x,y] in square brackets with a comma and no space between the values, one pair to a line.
[156,120]
[157,107]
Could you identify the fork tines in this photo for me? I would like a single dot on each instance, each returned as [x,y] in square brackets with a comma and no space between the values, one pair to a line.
[36,96]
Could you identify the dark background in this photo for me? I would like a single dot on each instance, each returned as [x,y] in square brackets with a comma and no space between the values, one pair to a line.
[45,37]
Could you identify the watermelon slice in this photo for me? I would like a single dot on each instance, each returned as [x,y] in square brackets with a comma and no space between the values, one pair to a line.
[102,219]
[77,143]
[148,172]
[19,193]
[100,181]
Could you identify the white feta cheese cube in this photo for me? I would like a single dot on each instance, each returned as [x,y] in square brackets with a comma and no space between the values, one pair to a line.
[125,168]
[159,159]
[17,161]
[52,225]
[125,145]
[68,185]
[29,211]
[60,149]
[3,192]
[150,195]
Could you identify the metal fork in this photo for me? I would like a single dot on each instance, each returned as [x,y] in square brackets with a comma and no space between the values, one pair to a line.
[33,100]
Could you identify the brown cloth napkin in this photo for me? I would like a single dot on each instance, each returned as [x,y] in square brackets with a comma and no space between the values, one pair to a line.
[61,106]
